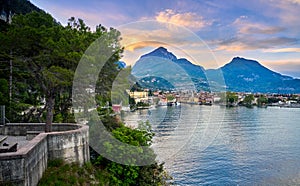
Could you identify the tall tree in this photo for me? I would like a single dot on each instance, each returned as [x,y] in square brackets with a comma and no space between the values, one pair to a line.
[48,53]
[38,38]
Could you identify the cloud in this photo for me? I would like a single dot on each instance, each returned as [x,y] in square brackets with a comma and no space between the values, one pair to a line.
[280,50]
[295,1]
[260,29]
[287,12]
[187,19]
[140,37]
[253,43]
[143,44]
[246,27]
[142,34]
[255,36]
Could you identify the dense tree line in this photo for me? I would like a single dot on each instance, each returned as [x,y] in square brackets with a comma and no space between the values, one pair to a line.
[41,56]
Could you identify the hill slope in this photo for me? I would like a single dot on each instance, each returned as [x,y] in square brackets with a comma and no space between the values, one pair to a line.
[243,75]
[162,64]
[240,74]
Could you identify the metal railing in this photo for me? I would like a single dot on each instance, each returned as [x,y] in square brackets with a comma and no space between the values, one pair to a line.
[3,119]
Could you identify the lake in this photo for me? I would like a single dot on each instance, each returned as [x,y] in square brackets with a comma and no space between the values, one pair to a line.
[213,145]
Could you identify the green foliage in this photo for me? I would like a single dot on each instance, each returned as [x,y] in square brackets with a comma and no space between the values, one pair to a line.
[120,174]
[4,92]
[11,7]
[55,163]
[110,122]
[44,57]
[273,100]
[262,100]
[131,101]
[136,87]
[248,100]
[228,98]
[142,104]
[231,97]
[294,97]
[134,137]
[120,85]
[170,97]
[57,77]
[58,118]
[61,173]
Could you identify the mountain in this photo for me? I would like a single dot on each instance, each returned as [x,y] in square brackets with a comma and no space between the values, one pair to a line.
[162,64]
[244,75]
[162,53]
[239,75]
[153,83]
[193,70]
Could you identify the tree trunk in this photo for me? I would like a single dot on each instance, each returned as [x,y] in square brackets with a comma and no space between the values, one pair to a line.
[49,116]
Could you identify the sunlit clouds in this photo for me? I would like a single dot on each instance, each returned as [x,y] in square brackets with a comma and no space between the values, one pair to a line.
[244,26]
[188,19]
[143,44]
[254,43]
[283,50]
[295,1]
[251,35]
[143,36]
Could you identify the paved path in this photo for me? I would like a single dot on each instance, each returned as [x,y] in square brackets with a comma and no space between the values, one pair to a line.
[21,140]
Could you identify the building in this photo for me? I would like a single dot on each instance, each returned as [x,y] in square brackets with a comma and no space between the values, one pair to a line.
[140,96]
[117,108]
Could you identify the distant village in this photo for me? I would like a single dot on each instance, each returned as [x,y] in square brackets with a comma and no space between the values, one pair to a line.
[146,99]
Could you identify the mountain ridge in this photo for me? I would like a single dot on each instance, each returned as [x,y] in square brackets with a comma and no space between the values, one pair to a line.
[240,74]
[161,52]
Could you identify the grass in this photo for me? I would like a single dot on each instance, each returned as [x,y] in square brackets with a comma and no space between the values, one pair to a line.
[63,174]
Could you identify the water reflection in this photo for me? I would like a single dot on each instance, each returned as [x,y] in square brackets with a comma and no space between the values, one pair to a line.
[252,146]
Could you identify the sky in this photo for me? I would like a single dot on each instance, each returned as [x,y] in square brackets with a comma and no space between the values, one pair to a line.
[206,32]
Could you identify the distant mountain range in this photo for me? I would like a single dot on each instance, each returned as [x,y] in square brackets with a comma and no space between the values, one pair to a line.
[160,69]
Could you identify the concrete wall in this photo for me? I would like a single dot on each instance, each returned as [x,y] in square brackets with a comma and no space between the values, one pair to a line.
[27,165]
[72,146]
[20,129]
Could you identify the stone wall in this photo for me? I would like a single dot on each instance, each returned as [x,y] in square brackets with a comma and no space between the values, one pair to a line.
[26,166]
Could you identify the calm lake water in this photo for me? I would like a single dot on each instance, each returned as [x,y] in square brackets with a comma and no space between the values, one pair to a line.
[212,145]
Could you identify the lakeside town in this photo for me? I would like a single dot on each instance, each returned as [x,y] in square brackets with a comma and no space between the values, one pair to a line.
[145,99]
